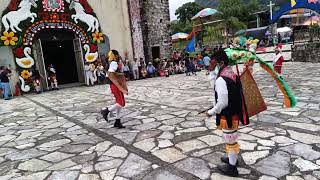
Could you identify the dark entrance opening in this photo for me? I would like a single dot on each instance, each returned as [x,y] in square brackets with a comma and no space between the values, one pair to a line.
[58,50]
[155,52]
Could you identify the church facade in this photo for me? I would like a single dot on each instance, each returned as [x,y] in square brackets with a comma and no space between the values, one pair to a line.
[70,33]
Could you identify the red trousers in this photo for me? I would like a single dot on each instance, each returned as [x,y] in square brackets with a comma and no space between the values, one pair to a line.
[118,95]
[278,65]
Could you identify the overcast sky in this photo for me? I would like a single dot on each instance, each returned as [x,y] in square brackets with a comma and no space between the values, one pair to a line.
[175,4]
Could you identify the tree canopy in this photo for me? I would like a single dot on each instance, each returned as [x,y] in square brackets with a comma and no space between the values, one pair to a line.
[187,11]
[237,14]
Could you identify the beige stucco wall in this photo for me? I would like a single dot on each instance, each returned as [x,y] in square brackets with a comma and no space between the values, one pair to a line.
[114,21]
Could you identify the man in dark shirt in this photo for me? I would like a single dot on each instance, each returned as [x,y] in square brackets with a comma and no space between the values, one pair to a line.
[4,81]
[187,63]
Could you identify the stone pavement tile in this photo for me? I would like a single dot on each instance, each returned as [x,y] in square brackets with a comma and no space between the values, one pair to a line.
[305,126]
[145,145]
[147,126]
[64,175]
[216,176]
[189,124]
[302,150]
[56,156]
[252,157]
[197,167]
[55,143]
[159,174]
[261,134]
[189,130]
[267,178]
[305,165]
[74,148]
[211,140]
[266,142]
[116,152]
[106,165]
[293,178]
[127,138]
[283,140]
[108,175]
[213,158]
[304,137]
[26,154]
[166,135]
[170,155]
[244,145]
[103,146]
[316,174]
[147,134]
[270,119]
[62,165]
[201,152]
[190,145]
[133,166]
[81,159]
[276,165]
[89,177]
[164,143]
[120,178]
[6,151]
[7,137]
[34,165]
[34,176]
[173,121]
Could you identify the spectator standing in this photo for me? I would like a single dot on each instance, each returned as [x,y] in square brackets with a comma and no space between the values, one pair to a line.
[135,69]
[206,62]
[187,63]
[36,76]
[89,75]
[5,73]
[126,70]
[101,74]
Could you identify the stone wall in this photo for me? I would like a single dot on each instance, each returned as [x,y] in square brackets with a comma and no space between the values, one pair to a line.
[136,29]
[309,52]
[156,27]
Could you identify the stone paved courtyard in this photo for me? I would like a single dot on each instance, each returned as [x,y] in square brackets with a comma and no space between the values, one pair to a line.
[60,135]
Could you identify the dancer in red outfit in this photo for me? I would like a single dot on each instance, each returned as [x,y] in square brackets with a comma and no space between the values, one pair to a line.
[118,88]
[278,60]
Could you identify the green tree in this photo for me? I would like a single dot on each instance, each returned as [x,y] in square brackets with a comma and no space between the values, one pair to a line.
[178,26]
[236,14]
[187,11]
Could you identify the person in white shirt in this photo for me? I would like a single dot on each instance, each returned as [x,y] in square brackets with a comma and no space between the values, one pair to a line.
[101,74]
[89,74]
[135,69]
[53,77]
[228,109]
[118,88]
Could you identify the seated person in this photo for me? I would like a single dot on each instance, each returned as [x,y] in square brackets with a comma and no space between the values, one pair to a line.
[151,70]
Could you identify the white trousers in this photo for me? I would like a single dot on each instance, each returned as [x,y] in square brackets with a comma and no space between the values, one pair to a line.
[136,74]
[89,78]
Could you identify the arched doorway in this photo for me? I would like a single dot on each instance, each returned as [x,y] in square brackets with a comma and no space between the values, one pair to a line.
[65,33]
[57,48]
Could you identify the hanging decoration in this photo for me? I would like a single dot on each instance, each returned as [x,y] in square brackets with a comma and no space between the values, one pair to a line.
[27,61]
[22,20]
[90,57]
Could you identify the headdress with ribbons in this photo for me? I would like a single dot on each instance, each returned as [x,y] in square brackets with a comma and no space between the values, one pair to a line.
[236,56]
